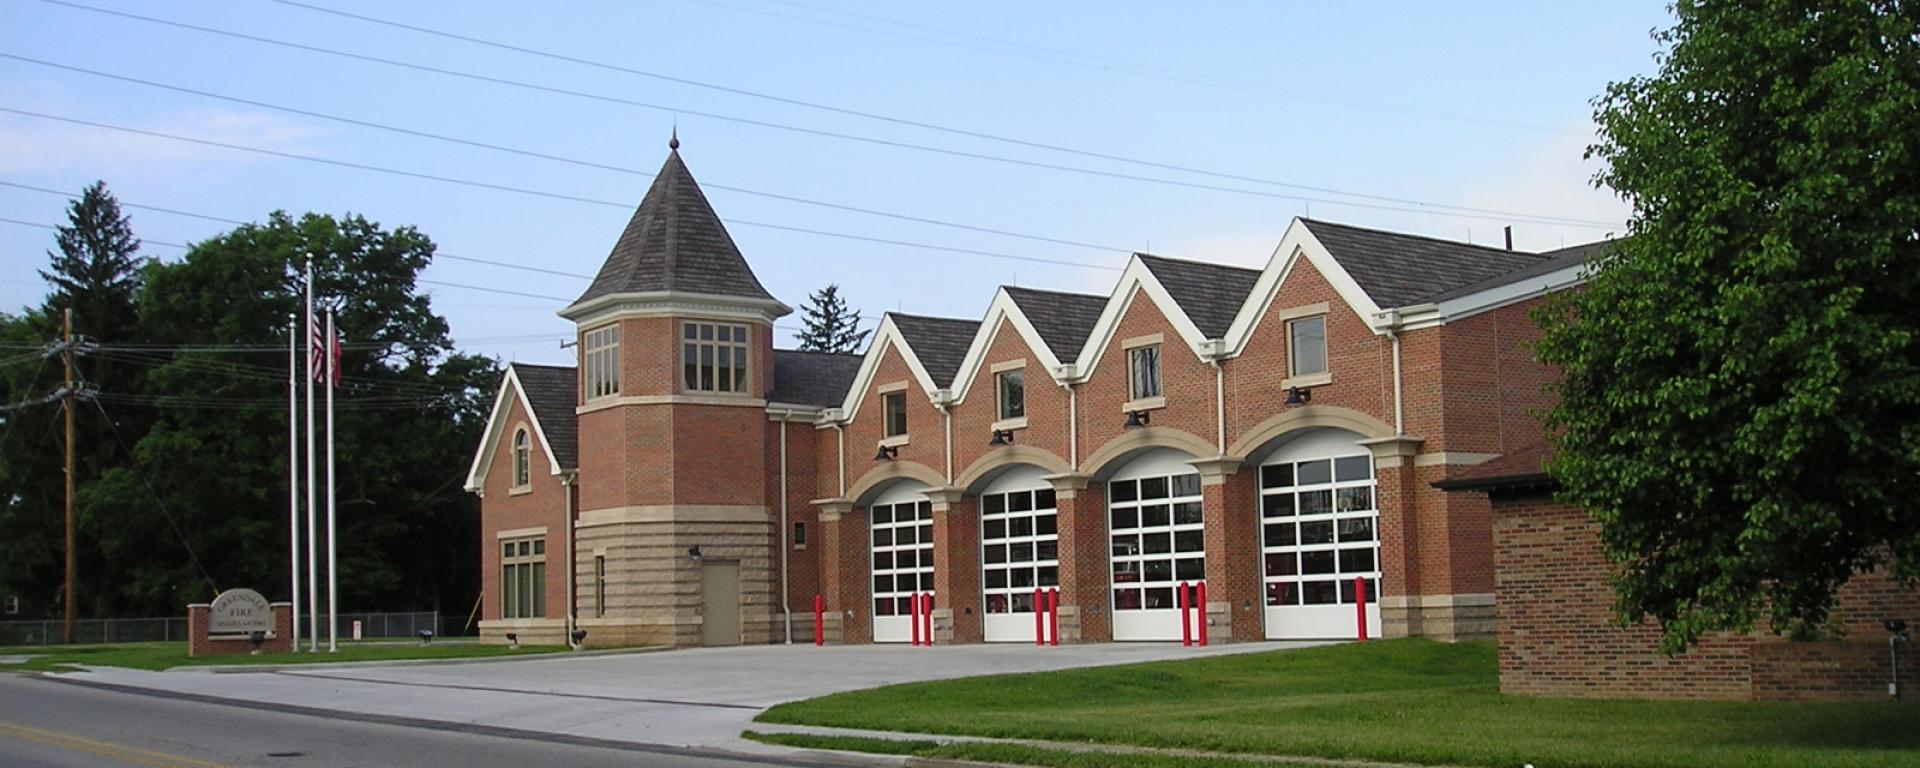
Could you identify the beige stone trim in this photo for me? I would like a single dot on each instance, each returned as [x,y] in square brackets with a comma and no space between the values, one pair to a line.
[1304,310]
[668,513]
[944,497]
[516,533]
[520,490]
[1309,416]
[1010,424]
[1144,404]
[1393,451]
[832,509]
[1453,458]
[895,441]
[1436,601]
[541,623]
[1009,365]
[1066,485]
[996,460]
[1320,379]
[1147,437]
[1214,471]
[891,387]
[731,401]
[1141,341]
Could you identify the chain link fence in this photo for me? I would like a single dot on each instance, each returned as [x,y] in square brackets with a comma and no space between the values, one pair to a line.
[373,626]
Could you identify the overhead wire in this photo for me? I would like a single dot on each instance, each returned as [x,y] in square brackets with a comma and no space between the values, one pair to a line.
[1406,204]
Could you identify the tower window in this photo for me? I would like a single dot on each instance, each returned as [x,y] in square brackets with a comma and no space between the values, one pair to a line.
[601,353]
[714,357]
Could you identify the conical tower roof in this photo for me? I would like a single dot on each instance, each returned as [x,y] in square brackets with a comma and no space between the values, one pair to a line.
[675,242]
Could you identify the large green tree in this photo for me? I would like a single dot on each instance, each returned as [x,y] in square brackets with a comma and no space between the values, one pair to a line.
[202,502]
[1741,403]
[831,326]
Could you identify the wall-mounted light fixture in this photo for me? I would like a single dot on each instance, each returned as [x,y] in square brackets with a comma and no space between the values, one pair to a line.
[694,552]
[887,453]
[1138,419]
[1299,396]
[1001,437]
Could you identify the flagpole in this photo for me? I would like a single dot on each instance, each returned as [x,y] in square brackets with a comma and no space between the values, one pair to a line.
[293,466]
[333,573]
[313,554]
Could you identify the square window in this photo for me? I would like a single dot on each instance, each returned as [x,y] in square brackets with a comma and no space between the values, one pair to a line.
[1316,563]
[1020,553]
[1020,578]
[1276,476]
[1282,593]
[1159,570]
[926,510]
[1143,365]
[539,546]
[1190,541]
[1281,564]
[1123,490]
[906,558]
[1155,516]
[883,607]
[1356,529]
[1190,569]
[904,535]
[882,561]
[1316,502]
[1279,535]
[1346,591]
[1277,505]
[1319,593]
[1153,488]
[994,529]
[894,405]
[903,606]
[882,514]
[1356,560]
[1157,543]
[1013,393]
[996,578]
[1126,545]
[996,603]
[1022,602]
[1160,597]
[1353,468]
[1186,485]
[1307,345]
[883,537]
[1124,518]
[993,504]
[1046,525]
[995,553]
[1020,502]
[1044,499]
[1186,513]
[1047,550]
[1126,599]
[882,584]
[1126,572]
[1316,532]
[926,534]
[1354,499]
[1049,575]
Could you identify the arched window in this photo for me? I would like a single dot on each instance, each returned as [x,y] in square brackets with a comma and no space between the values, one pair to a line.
[522,459]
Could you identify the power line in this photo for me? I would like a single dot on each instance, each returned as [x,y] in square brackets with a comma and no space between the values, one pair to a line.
[134,461]
[1418,206]
[533,192]
[559,158]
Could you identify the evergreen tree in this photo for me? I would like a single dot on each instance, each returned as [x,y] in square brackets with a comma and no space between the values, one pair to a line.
[831,326]
[97,270]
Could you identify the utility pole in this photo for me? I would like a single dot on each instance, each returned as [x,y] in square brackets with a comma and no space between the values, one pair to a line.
[71,630]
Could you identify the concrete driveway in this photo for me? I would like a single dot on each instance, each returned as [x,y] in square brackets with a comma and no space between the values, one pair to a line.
[687,698]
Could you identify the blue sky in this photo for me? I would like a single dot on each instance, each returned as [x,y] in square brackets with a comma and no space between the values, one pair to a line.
[1474,105]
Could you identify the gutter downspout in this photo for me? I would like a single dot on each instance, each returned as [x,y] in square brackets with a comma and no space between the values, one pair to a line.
[1219,402]
[567,480]
[840,436]
[948,418]
[1073,427]
[786,588]
[1399,425]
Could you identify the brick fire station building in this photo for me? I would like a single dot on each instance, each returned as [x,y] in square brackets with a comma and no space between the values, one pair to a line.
[1273,433]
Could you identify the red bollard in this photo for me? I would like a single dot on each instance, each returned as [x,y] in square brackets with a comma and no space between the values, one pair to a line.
[819,620]
[927,615]
[1186,629]
[913,604]
[1039,617]
[1200,611]
[1053,613]
[1360,604]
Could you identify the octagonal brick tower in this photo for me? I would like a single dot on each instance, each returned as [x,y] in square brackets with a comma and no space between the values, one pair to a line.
[676,362]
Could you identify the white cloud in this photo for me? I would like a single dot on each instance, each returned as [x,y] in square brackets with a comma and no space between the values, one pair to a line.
[37,145]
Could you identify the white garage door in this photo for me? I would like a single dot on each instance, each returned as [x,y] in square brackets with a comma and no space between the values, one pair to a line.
[1157,536]
[1319,529]
[1019,551]
[902,541]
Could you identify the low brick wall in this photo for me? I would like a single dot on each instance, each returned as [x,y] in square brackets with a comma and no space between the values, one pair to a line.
[280,640]
[1557,635]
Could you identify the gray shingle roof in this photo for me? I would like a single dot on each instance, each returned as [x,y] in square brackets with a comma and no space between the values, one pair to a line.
[1210,294]
[812,378]
[675,242]
[549,389]
[940,343]
[1064,320]
[1550,262]
[1398,270]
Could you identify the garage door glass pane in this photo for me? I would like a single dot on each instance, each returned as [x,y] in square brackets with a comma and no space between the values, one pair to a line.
[1020,550]
[1318,520]
[1158,539]
[902,555]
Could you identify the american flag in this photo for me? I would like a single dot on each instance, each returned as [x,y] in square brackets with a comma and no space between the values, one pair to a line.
[323,351]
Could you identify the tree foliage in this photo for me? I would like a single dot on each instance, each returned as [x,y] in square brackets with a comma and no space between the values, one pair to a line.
[1741,403]
[831,325]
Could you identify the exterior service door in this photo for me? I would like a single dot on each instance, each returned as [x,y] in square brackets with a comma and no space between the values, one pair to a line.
[1158,539]
[1019,550]
[901,523]
[1319,529]
[719,603]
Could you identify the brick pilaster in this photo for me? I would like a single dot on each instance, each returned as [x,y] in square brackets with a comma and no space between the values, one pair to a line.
[956,567]
[1084,602]
[1233,555]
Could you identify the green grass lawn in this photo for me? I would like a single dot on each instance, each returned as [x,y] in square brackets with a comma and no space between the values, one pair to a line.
[1403,701]
[59,658]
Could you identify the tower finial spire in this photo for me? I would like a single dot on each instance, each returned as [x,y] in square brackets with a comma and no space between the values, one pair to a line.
[674,142]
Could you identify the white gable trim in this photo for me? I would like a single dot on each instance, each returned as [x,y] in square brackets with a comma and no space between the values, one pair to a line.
[1296,244]
[885,337]
[1433,314]
[1137,279]
[497,426]
[1003,309]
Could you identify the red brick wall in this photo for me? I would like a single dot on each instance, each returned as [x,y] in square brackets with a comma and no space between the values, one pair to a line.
[1557,636]
[199,644]
[1186,381]
[803,561]
[501,509]
[974,416]
[926,427]
[1360,361]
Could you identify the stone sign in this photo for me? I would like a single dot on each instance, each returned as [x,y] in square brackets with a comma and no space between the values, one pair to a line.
[239,612]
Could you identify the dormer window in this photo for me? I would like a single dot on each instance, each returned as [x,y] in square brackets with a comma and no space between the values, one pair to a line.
[1307,346]
[714,357]
[894,406]
[1012,386]
[601,362]
[1143,372]
[522,458]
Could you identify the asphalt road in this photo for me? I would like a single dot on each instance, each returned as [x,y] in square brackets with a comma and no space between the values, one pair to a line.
[60,725]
